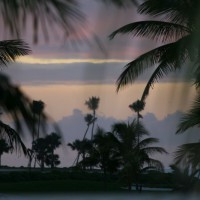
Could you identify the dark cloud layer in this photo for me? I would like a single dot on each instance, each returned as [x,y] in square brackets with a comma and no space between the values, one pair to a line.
[76,73]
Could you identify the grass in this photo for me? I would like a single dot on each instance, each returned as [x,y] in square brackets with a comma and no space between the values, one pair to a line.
[58,186]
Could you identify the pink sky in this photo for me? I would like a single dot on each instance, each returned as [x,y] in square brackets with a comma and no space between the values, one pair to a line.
[66,86]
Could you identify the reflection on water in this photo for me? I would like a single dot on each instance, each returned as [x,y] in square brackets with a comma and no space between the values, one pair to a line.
[101,196]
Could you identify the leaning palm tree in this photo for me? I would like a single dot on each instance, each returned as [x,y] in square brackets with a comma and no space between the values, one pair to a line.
[176,28]
[93,104]
[134,162]
[89,119]
[37,109]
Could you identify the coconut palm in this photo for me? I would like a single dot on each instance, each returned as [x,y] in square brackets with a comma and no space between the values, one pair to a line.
[93,104]
[176,28]
[4,148]
[37,109]
[134,162]
[105,151]
[53,141]
[89,120]
[82,147]
[39,147]
[137,107]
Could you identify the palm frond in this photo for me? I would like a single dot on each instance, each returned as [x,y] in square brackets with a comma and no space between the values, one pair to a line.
[156,164]
[191,118]
[155,30]
[174,10]
[136,67]
[121,3]
[12,49]
[152,150]
[15,103]
[45,14]
[148,141]
[12,137]
[174,58]
[188,155]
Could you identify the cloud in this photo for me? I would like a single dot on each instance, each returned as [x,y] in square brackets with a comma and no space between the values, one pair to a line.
[78,73]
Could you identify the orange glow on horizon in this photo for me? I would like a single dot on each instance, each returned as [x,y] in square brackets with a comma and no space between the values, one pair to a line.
[32,60]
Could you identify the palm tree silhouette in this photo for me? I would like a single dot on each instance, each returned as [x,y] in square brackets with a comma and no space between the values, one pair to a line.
[178,33]
[53,141]
[37,109]
[89,120]
[137,107]
[105,151]
[93,104]
[82,147]
[134,162]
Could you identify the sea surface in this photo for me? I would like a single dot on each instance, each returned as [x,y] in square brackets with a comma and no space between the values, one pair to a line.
[100,196]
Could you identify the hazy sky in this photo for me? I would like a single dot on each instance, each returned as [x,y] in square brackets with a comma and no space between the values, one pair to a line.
[64,76]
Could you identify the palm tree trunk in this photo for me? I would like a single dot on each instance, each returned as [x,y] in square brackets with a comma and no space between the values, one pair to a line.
[38,132]
[52,159]
[86,132]
[138,151]
[94,114]
[0,160]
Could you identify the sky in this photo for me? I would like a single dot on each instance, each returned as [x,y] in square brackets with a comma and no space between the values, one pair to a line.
[64,76]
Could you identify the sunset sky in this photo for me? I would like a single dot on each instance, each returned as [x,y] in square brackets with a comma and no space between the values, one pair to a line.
[64,76]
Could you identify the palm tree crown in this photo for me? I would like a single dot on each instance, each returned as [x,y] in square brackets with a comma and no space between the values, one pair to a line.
[134,159]
[93,104]
[178,33]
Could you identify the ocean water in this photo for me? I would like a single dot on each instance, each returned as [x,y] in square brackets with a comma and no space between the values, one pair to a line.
[100,197]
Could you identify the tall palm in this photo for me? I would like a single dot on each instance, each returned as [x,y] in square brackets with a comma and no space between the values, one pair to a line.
[135,163]
[37,109]
[89,120]
[137,107]
[4,148]
[177,30]
[93,104]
